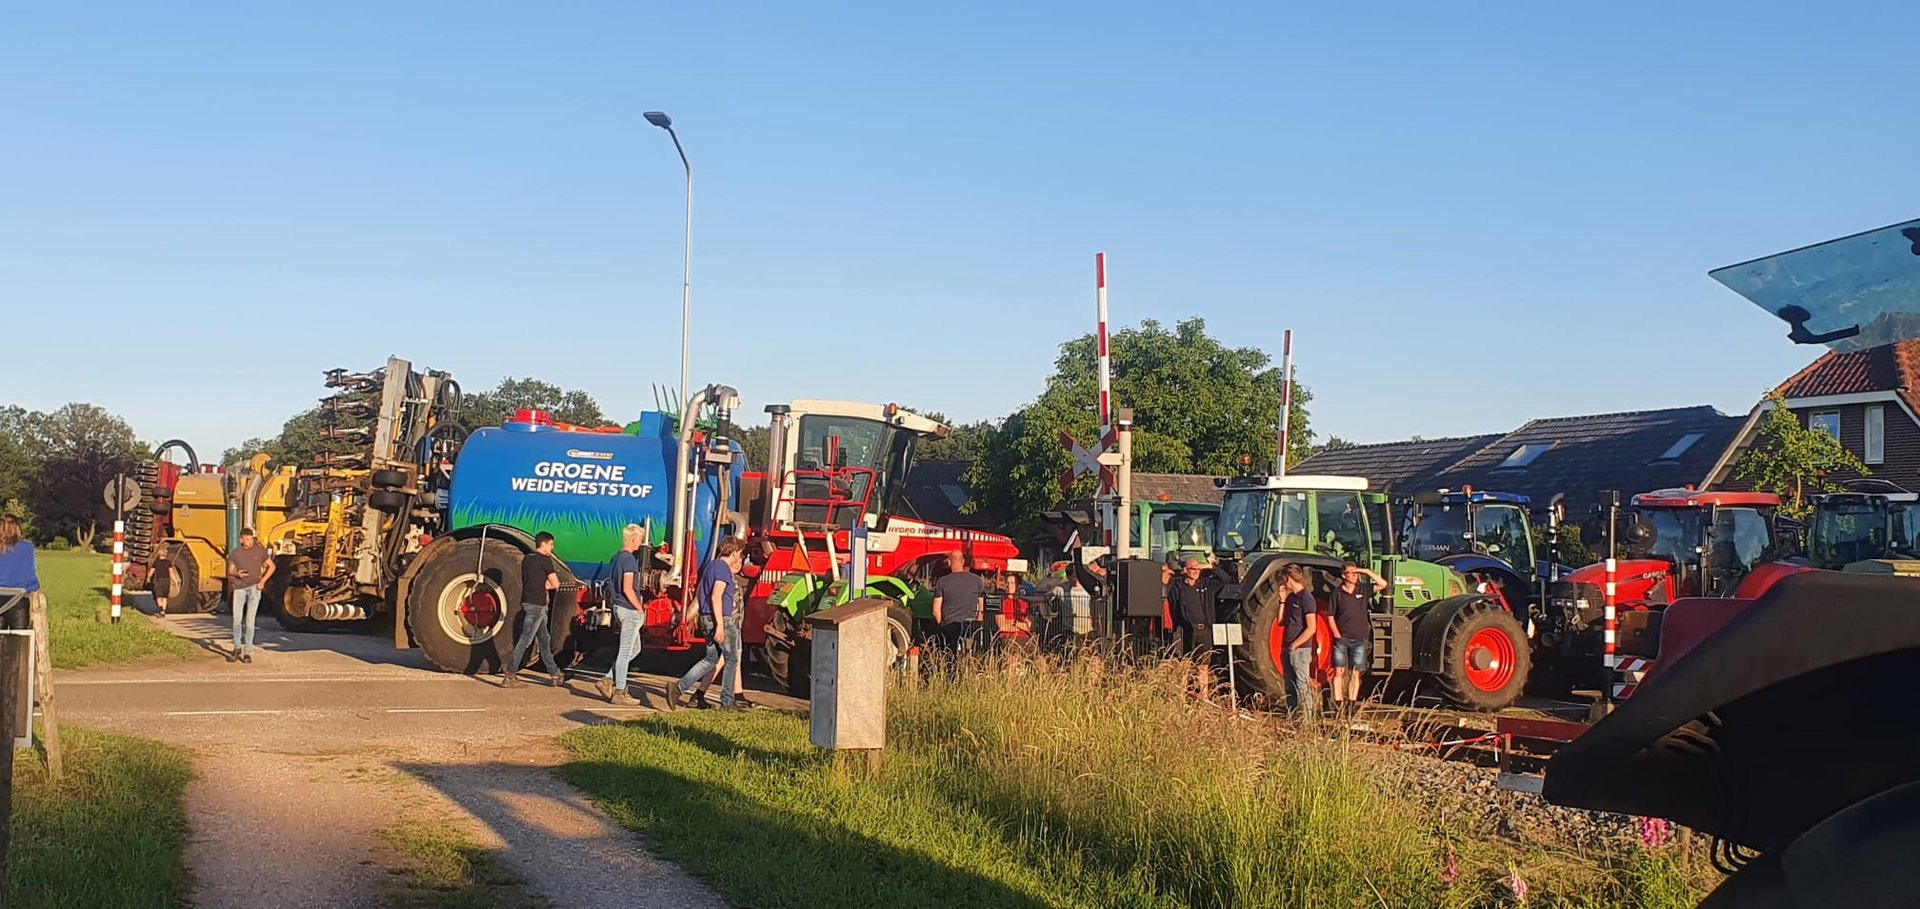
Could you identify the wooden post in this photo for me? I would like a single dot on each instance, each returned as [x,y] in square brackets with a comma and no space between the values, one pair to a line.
[43,670]
[9,705]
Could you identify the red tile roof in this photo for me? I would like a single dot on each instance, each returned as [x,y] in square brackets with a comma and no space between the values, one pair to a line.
[1889,367]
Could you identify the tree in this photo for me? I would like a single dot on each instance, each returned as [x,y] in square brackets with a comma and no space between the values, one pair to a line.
[1794,461]
[964,442]
[1333,443]
[83,448]
[755,442]
[21,452]
[492,408]
[1199,407]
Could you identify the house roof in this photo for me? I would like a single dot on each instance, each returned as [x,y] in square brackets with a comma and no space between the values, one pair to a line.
[1404,467]
[1175,487]
[1889,367]
[1631,452]
[935,491]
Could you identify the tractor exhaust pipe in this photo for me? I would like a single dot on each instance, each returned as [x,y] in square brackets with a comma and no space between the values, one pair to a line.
[687,472]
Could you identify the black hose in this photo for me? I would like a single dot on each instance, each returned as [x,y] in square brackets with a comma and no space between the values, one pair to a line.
[193,460]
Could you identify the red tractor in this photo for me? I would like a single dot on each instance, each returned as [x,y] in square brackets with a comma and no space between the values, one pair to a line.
[1670,545]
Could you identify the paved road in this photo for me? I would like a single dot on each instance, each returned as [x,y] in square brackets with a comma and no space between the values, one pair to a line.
[305,754]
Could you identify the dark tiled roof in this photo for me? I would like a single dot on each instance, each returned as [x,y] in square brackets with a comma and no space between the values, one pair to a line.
[935,492]
[1404,467]
[1889,367]
[1175,487]
[1585,455]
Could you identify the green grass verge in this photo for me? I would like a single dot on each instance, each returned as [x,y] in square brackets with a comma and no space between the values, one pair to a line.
[111,834]
[440,868]
[78,586]
[1071,785]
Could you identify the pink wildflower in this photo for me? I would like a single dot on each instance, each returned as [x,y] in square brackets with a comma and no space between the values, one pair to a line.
[1655,832]
[1450,872]
[1516,885]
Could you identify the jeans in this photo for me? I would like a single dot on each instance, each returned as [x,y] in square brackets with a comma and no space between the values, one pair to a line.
[955,635]
[533,627]
[1300,670]
[246,608]
[725,655]
[631,624]
[1351,653]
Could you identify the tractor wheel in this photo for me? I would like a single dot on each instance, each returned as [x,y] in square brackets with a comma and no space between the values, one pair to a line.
[462,603]
[789,659]
[390,479]
[388,500]
[1485,658]
[184,594]
[1266,650]
[290,603]
[899,635]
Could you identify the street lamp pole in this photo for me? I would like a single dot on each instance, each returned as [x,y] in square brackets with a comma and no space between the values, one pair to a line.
[660,119]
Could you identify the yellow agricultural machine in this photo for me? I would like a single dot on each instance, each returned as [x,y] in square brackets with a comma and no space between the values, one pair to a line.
[342,527]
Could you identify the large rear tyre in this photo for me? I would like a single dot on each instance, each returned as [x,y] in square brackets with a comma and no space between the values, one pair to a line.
[899,635]
[289,603]
[1486,658]
[789,659]
[1263,615]
[184,594]
[462,603]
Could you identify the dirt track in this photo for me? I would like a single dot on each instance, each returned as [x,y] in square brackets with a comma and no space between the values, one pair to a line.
[327,738]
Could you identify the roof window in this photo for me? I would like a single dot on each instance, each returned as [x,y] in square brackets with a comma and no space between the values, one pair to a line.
[1525,454]
[1679,448]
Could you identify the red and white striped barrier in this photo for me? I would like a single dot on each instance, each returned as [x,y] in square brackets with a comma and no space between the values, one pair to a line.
[119,563]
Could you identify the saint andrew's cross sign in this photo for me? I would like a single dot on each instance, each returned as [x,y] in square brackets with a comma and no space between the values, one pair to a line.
[1102,459]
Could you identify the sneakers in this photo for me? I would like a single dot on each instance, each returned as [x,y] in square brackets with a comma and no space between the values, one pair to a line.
[247,657]
[605,687]
[623,699]
[510,680]
[557,680]
[671,694]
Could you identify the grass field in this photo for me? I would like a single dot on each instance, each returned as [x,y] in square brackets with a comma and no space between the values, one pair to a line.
[443,869]
[1073,786]
[78,588]
[112,834]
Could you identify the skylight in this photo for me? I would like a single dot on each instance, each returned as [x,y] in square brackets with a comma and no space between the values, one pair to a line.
[1525,454]
[1679,448]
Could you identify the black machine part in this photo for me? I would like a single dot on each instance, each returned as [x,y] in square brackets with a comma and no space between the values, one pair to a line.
[1788,715]
[1139,590]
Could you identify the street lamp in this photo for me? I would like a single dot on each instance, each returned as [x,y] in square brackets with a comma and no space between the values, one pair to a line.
[660,119]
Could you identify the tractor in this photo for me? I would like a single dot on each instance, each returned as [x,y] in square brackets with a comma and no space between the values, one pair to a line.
[1431,623]
[1872,520]
[1487,536]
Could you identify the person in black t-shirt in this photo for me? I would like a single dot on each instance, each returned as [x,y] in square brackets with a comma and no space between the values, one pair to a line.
[1297,631]
[538,581]
[1191,599]
[1353,622]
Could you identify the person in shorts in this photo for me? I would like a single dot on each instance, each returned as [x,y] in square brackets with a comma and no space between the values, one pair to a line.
[1352,606]
[161,583]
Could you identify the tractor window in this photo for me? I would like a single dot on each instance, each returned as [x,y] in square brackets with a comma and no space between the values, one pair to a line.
[1289,531]
[1442,531]
[1378,520]
[1343,526]
[1242,517]
[1675,534]
[1846,533]
[1741,537]
[1501,531]
[1906,531]
[1174,531]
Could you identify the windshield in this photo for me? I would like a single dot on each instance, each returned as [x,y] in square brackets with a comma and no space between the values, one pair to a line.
[1265,520]
[1849,294]
[1500,530]
[1847,533]
[1442,531]
[1178,532]
[1243,516]
[1665,533]
[829,442]
[1906,530]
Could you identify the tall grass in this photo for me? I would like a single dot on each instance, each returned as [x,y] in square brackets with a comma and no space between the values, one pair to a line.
[1086,782]
[113,833]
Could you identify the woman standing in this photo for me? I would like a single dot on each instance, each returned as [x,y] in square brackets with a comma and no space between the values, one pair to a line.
[17,569]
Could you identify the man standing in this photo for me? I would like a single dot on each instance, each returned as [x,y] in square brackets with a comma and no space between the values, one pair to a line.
[626,609]
[1297,631]
[248,569]
[1191,598]
[956,602]
[1353,623]
[538,580]
[720,625]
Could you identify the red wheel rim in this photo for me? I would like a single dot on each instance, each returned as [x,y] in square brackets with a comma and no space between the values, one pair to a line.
[480,609]
[1489,659]
[1277,647]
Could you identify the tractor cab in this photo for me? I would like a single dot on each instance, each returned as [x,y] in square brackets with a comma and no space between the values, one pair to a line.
[1173,531]
[1446,523]
[840,464]
[1874,519]
[1709,541]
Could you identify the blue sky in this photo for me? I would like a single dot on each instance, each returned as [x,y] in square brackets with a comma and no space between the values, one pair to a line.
[1471,214]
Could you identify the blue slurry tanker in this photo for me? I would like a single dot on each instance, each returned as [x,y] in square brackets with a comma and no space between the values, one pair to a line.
[583,487]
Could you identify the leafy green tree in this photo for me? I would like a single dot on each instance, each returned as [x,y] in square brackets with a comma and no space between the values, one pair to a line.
[755,442]
[492,408]
[20,456]
[1199,407]
[82,448]
[1573,545]
[1794,461]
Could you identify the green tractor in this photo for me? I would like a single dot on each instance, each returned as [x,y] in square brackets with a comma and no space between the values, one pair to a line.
[1872,520]
[1175,531]
[799,594]
[1431,623]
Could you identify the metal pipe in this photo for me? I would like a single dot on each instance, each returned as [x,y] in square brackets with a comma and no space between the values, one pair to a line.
[1123,524]
[665,122]
[687,472]
[1286,401]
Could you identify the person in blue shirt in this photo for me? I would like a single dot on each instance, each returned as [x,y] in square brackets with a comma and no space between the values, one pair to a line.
[720,615]
[17,569]
[626,608]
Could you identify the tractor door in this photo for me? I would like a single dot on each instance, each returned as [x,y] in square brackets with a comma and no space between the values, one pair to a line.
[1742,538]
[1501,530]
[1341,526]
